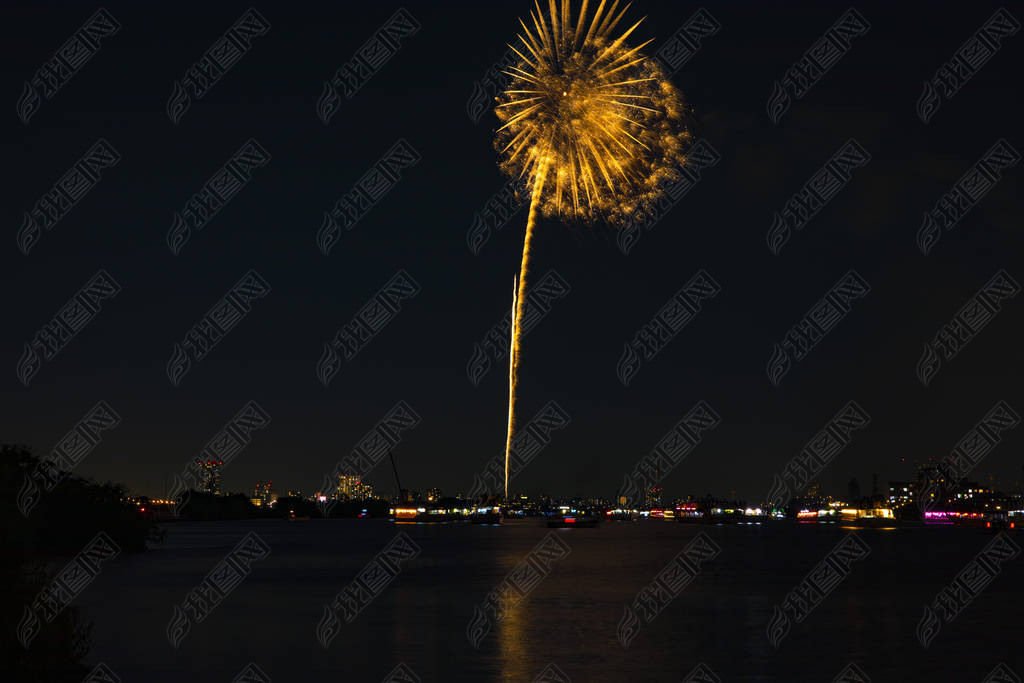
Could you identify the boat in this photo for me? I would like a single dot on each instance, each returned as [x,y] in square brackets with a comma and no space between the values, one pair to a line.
[955,518]
[719,516]
[423,515]
[621,515]
[998,522]
[867,518]
[568,520]
[688,513]
[485,515]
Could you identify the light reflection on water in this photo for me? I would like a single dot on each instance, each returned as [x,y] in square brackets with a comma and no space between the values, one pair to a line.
[569,619]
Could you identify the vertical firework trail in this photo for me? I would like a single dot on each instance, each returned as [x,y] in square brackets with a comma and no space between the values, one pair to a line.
[518,306]
[598,116]
[511,378]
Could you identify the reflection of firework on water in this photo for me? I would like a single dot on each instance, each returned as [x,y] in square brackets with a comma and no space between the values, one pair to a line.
[594,115]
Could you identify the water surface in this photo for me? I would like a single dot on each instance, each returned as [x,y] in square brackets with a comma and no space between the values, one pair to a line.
[570,618]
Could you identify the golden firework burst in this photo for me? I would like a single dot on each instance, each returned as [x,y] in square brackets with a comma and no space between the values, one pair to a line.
[599,118]
[593,124]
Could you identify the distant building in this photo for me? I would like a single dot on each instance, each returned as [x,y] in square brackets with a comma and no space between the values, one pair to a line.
[970,492]
[900,493]
[348,486]
[211,475]
[433,495]
[931,486]
[264,493]
[351,487]
[654,496]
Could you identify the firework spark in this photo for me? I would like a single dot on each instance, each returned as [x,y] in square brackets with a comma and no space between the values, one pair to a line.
[595,115]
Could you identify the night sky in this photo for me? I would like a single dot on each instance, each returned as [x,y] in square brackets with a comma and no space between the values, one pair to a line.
[420,227]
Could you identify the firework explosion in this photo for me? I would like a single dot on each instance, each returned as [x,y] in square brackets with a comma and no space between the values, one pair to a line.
[593,124]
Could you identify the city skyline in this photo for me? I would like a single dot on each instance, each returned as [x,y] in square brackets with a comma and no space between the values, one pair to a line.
[387,489]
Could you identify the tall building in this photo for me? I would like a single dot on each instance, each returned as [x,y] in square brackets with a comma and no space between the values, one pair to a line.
[654,496]
[264,493]
[351,487]
[364,492]
[347,485]
[931,485]
[433,495]
[211,475]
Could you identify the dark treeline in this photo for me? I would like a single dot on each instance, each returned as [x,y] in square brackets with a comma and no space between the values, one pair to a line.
[48,516]
[43,525]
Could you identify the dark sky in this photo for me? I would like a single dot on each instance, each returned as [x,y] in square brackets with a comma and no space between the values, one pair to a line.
[420,227]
